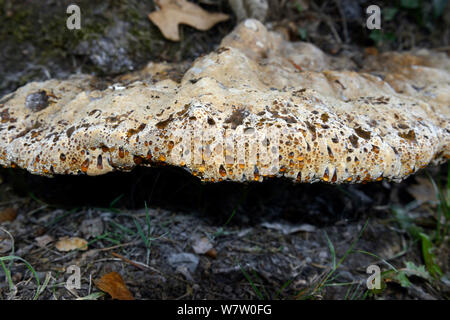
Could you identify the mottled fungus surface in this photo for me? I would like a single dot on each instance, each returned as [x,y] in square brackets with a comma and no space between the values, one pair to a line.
[257,107]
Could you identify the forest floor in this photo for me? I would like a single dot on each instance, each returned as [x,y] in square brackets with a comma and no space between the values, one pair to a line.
[272,240]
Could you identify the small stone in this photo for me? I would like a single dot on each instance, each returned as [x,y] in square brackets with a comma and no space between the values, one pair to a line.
[42,241]
[188,260]
[37,101]
[91,228]
[250,24]
[255,9]
[5,245]
[202,245]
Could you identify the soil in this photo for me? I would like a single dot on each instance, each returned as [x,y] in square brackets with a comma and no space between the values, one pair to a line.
[274,232]
[270,240]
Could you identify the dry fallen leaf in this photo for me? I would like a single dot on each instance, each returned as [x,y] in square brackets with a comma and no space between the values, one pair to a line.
[69,244]
[113,284]
[8,214]
[175,12]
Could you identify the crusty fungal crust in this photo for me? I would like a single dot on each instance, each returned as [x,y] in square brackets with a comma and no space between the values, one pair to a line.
[256,107]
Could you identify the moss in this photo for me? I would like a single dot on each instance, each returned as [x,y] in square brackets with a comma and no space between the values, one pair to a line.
[15,25]
[35,39]
[143,36]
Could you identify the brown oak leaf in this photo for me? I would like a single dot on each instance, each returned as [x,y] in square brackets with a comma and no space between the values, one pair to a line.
[113,284]
[175,12]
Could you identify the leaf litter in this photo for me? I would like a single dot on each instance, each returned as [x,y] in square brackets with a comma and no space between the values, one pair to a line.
[284,252]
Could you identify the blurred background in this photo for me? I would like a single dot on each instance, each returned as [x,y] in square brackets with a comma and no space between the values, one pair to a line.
[116,36]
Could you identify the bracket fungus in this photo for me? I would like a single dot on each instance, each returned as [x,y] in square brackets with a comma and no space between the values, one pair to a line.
[258,106]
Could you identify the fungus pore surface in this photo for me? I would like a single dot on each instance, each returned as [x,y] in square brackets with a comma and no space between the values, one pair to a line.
[257,107]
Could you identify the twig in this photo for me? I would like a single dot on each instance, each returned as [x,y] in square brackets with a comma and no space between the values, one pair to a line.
[118,246]
[328,20]
[344,21]
[11,201]
[138,265]
[128,261]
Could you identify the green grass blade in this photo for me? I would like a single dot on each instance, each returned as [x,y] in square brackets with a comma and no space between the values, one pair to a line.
[115,201]
[249,279]
[7,275]
[8,258]
[355,291]
[122,228]
[332,251]
[350,249]
[140,231]
[428,256]
[283,287]
[379,258]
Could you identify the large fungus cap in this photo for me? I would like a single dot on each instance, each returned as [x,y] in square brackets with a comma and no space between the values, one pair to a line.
[257,107]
